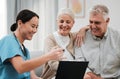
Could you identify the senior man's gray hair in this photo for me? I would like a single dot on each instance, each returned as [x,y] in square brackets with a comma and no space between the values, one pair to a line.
[102,9]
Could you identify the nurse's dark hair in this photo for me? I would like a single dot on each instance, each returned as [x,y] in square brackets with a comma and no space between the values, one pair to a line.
[24,15]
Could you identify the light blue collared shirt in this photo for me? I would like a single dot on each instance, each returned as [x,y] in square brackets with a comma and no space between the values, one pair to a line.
[9,47]
[103,54]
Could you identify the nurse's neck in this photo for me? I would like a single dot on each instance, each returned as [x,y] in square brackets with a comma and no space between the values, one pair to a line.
[19,37]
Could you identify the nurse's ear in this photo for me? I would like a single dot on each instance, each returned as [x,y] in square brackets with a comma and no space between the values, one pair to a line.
[20,24]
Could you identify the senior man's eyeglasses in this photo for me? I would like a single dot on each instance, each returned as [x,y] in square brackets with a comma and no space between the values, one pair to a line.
[95,22]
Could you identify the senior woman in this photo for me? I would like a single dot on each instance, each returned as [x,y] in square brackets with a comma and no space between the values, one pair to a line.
[61,38]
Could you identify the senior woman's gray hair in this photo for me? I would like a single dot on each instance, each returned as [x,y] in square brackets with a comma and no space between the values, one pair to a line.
[102,9]
[67,11]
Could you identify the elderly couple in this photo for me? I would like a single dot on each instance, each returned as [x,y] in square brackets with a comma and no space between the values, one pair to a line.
[101,46]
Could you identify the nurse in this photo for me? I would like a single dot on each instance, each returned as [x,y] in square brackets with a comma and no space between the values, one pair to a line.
[15,62]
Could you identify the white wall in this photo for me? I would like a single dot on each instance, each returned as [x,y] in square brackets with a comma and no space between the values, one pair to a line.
[3,28]
[113,6]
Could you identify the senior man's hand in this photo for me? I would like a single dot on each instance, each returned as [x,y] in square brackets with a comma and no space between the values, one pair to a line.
[91,75]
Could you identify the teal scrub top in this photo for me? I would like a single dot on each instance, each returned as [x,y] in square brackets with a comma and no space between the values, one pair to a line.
[9,47]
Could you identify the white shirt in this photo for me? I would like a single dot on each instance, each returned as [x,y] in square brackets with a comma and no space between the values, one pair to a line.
[63,42]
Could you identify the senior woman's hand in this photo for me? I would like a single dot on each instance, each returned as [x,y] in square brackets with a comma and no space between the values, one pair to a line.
[80,36]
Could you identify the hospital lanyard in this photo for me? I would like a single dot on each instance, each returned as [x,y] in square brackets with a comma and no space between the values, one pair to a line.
[22,49]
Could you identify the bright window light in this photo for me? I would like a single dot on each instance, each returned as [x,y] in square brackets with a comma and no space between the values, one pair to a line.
[3,20]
